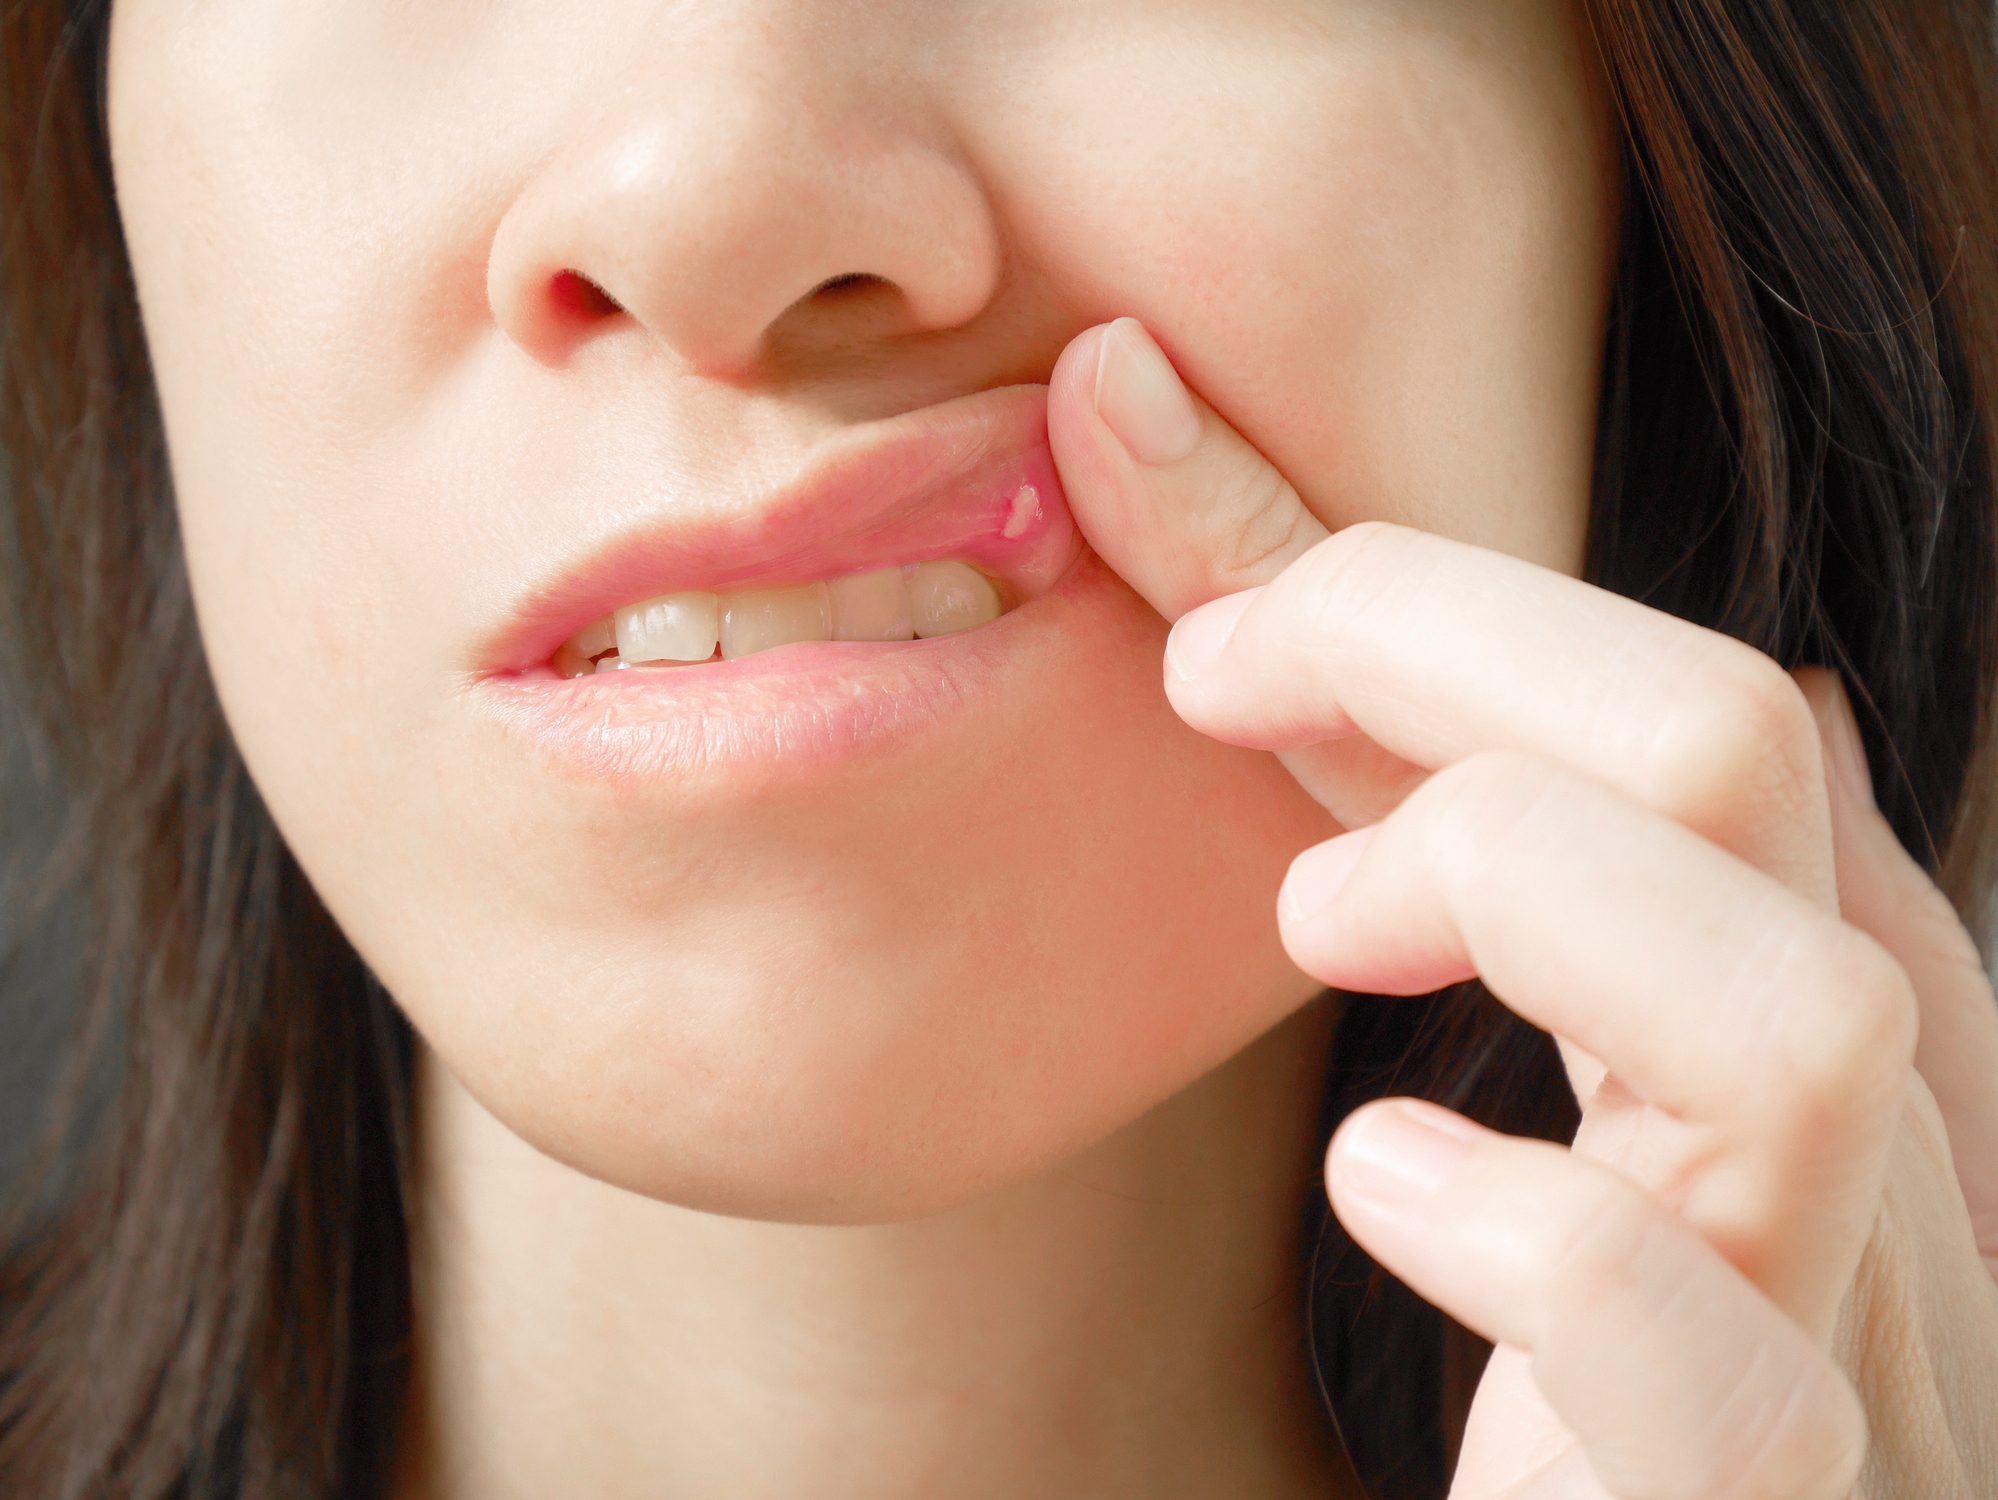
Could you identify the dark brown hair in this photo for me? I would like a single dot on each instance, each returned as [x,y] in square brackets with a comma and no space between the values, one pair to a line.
[204,1288]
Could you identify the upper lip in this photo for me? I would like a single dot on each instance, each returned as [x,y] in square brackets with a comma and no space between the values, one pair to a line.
[934,482]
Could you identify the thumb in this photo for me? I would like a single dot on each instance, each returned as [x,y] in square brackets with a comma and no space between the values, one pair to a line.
[1185,509]
[1168,494]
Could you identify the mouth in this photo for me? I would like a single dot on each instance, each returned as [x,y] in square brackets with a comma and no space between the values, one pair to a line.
[902,602]
[929,524]
[926,571]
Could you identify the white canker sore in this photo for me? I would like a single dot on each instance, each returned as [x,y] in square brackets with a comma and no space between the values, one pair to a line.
[1025,510]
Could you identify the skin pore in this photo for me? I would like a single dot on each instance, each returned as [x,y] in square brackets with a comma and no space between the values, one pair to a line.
[943,1118]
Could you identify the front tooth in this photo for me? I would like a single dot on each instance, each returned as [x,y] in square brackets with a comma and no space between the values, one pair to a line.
[756,619]
[669,627]
[870,606]
[945,597]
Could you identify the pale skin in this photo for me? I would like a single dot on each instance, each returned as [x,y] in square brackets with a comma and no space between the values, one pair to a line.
[756,1160]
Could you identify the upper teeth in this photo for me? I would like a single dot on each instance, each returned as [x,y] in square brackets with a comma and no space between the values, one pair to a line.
[887,604]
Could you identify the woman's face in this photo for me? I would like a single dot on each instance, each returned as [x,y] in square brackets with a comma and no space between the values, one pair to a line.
[854,945]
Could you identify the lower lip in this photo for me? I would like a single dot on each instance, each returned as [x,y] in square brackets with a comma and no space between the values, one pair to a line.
[801,707]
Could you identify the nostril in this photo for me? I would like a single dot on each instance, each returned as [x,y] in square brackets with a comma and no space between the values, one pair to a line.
[841,283]
[573,292]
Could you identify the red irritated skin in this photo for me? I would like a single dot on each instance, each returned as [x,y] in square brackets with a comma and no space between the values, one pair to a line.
[971,479]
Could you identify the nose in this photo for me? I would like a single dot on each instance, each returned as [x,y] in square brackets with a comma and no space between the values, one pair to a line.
[767,195]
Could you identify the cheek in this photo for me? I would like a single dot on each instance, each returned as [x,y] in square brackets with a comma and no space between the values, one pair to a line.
[1385,256]
[299,311]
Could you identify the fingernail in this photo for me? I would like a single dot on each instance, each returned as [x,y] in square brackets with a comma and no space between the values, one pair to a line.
[1849,751]
[1317,875]
[1140,398]
[1397,1152]
[1198,637]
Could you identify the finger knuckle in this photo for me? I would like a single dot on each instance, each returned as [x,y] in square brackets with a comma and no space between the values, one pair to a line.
[1735,730]
[1788,1424]
[1605,1261]
[1315,602]
[1925,1129]
[1484,802]
[1936,932]
[1844,1019]
[1267,522]
[1355,567]
[1796,1436]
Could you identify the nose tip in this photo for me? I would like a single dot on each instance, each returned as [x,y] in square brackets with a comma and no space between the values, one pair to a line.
[722,231]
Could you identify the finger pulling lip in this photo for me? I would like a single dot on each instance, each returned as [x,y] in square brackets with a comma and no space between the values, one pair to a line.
[971,478]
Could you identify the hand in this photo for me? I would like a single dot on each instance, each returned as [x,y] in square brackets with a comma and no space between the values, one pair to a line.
[1765,1267]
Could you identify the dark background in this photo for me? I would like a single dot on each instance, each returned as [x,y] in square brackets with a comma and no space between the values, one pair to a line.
[33,991]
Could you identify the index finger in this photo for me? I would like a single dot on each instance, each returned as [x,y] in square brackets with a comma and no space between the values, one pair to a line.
[1438,648]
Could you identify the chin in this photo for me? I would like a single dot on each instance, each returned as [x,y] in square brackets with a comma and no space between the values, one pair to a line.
[807,1074]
